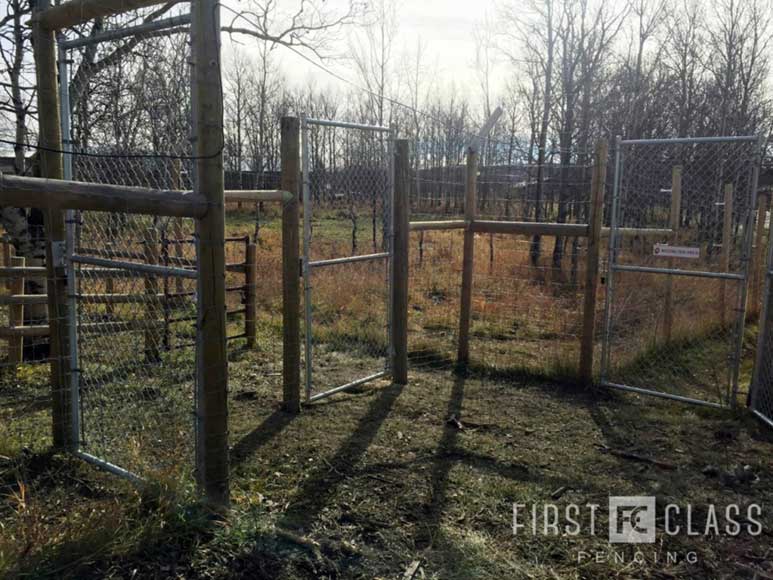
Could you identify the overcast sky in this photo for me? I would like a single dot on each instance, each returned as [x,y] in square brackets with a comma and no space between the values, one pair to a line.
[445,28]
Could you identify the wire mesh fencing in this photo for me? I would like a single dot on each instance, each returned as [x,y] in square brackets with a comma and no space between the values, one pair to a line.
[347,253]
[682,225]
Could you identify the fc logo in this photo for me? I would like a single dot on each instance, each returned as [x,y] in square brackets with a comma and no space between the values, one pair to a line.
[632,520]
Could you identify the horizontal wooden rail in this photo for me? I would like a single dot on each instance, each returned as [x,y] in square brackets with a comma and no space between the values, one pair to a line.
[23,272]
[23,299]
[17,191]
[529,228]
[437,225]
[238,268]
[87,328]
[630,232]
[257,195]
[77,12]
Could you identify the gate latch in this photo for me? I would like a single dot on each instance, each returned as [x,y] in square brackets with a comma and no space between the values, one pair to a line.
[58,253]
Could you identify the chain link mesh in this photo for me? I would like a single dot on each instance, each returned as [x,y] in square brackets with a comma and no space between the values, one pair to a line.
[676,334]
[349,188]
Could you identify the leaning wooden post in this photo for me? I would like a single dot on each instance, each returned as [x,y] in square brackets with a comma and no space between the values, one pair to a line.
[400,263]
[758,266]
[727,244]
[674,222]
[251,283]
[598,183]
[291,268]
[16,317]
[51,166]
[152,354]
[212,384]
[465,308]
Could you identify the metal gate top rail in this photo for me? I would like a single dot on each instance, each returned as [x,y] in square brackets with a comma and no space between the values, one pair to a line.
[688,140]
[346,125]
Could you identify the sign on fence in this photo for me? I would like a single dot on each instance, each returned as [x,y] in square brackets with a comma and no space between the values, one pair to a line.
[666,251]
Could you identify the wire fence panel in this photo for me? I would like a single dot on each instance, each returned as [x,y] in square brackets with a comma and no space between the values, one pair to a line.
[681,235]
[347,252]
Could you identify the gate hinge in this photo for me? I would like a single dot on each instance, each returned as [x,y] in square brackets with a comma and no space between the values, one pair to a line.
[58,253]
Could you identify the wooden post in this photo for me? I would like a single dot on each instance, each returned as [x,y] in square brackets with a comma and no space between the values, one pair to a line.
[291,260]
[152,354]
[598,182]
[727,244]
[251,283]
[676,211]
[7,255]
[51,166]
[758,266]
[465,309]
[400,263]
[16,317]
[212,384]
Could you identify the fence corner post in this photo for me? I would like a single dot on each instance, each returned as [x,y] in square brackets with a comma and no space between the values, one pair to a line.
[595,219]
[400,258]
[291,280]
[52,167]
[468,266]
[212,397]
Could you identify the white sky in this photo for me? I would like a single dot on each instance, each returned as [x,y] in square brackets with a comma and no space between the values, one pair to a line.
[445,28]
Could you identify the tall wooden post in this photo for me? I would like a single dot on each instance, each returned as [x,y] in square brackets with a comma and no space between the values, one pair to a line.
[598,182]
[758,265]
[465,308]
[727,246]
[16,316]
[212,412]
[674,222]
[51,166]
[400,263]
[152,354]
[291,266]
[251,292]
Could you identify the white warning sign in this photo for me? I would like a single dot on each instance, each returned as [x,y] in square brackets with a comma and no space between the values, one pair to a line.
[666,251]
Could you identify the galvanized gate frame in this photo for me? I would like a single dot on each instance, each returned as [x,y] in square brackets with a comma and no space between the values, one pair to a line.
[69,254]
[613,266]
[308,265]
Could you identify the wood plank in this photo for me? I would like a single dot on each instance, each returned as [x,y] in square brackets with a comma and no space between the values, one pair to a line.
[529,228]
[76,12]
[57,194]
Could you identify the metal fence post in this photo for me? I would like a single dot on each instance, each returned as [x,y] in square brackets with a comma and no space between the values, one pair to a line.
[674,223]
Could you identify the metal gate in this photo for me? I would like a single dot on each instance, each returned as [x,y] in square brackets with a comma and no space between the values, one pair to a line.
[761,395]
[348,186]
[679,251]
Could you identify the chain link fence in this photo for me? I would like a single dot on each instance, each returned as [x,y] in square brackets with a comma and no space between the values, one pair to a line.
[682,225]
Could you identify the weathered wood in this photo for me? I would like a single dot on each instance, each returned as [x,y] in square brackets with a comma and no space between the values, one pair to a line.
[52,167]
[57,195]
[257,196]
[291,280]
[212,399]
[400,259]
[251,306]
[593,258]
[758,264]
[26,272]
[88,328]
[465,310]
[77,12]
[529,228]
[633,232]
[7,254]
[727,246]
[152,339]
[23,299]
[16,316]
[674,224]
[438,225]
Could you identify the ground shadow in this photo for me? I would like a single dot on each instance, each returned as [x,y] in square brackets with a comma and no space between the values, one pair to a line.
[272,426]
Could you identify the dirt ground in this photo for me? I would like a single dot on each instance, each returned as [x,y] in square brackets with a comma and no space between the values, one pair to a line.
[408,482]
